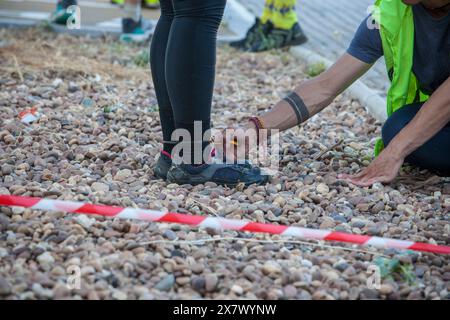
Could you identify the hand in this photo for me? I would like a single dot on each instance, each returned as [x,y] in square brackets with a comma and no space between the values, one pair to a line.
[232,144]
[383,169]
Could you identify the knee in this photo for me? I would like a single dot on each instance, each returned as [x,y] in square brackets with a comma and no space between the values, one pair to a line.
[395,123]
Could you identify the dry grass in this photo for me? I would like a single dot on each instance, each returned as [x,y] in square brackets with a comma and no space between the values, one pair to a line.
[23,53]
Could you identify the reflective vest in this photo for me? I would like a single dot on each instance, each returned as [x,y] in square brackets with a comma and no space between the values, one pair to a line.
[396,22]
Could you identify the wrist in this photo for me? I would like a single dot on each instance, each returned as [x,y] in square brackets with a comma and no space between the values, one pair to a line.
[396,150]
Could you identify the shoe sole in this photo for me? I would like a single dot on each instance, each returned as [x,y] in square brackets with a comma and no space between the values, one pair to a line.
[297,42]
[160,174]
[293,43]
[200,180]
[133,38]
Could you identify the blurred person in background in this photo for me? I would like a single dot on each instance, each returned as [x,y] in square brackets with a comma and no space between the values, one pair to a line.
[60,15]
[148,4]
[133,27]
[278,27]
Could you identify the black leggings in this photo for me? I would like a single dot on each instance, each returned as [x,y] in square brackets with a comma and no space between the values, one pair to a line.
[183,60]
[434,155]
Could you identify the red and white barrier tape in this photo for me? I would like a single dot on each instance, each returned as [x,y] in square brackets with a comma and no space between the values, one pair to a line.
[217,223]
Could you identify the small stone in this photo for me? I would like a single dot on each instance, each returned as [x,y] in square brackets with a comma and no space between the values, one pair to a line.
[5,287]
[41,291]
[327,223]
[134,228]
[18,210]
[386,289]
[322,188]
[183,280]
[197,268]
[446,276]
[358,223]
[72,88]
[198,284]
[100,187]
[7,169]
[306,263]
[237,290]
[406,208]
[84,221]
[211,282]
[377,207]
[46,259]
[169,234]
[339,218]
[119,295]
[122,175]
[290,291]
[57,82]
[271,267]
[341,265]
[369,294]
[166,283]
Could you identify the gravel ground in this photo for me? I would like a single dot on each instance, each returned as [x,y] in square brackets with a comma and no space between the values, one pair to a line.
[97,140]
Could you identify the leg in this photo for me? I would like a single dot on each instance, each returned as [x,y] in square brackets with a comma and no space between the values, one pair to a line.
[434,155]
[284,15]
[133,29]
[158,50]
[190,73]
[267,11]
[190,62]
[132,10]
[60,15]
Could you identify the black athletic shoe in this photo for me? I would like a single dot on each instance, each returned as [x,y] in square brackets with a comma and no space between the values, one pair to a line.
[162,166]
[280,38]
[241,44]
[254,34]
[223,174]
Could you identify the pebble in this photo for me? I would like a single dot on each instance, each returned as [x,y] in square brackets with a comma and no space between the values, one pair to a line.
[271,268]
[122,175]
[5,287]
[166,283]
[85,221]
[198,284]
[290,291]
[237,290]
[41,291]
[327,223]
[100,187]
[46,259]
[169,234]
[183,280]
[119,295]
[211,282]
[386,289]
[341,265]
[369,294]
[322,188]
[197,268]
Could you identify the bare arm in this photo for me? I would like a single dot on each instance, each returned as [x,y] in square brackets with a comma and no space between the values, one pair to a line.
[318,92]
[431,118]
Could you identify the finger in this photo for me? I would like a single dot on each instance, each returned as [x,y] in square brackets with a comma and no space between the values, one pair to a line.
[346,176]
[370,182]
[362,174]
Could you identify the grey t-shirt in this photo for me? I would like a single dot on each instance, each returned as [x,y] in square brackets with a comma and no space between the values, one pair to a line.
[431,63]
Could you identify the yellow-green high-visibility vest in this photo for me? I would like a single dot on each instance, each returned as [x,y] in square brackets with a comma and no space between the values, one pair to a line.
[396,23]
